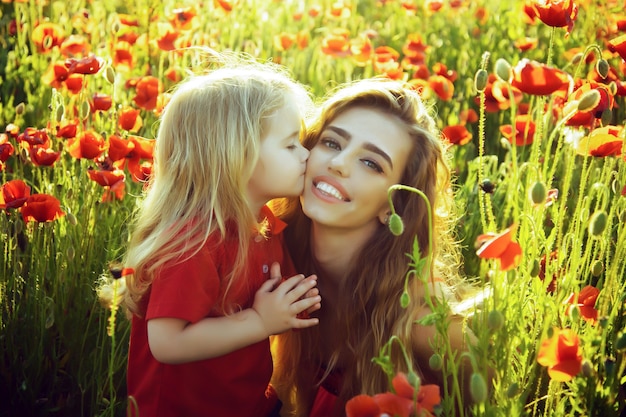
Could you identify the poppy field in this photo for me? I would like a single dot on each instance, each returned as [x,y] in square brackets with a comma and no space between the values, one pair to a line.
[530,95]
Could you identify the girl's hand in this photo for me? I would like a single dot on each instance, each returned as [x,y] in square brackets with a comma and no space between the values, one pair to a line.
[278,308]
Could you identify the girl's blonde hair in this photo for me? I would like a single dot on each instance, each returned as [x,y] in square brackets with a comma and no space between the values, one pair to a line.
[369,311]
[206,149]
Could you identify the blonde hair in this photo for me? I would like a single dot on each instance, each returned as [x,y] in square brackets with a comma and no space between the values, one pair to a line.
[206,149]
[369,309]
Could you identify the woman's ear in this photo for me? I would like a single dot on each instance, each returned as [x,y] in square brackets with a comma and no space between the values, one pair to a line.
[383,217]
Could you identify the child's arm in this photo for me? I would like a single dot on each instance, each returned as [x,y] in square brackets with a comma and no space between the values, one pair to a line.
[274,311]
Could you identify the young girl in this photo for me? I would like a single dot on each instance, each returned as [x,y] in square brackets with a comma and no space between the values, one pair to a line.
[204,244]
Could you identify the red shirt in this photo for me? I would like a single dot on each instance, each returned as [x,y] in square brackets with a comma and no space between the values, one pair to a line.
[231,385]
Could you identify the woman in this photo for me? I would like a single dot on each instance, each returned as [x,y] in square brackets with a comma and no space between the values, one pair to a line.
[367,136]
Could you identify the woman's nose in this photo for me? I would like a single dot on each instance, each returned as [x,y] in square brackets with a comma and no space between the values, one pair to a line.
[338,164]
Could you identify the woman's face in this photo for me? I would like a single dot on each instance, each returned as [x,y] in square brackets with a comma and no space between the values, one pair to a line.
[359,155]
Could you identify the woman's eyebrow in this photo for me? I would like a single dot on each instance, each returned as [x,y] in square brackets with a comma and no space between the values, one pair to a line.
[367,145]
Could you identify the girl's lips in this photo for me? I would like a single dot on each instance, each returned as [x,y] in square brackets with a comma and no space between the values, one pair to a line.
[328,189]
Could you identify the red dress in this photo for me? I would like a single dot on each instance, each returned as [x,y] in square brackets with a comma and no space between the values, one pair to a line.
[236,384]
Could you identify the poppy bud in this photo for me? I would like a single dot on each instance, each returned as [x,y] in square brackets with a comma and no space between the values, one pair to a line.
[602,68]
[478,388]
[538,193]
[606,116]
[84,110]
[435,362]
[109,74]
[534,270]
[622,216]
[480,80]
[589,100]
[395,224]
[405,299]
[597,268]
[503,70]
[414,380]
[495,320]
[115,27]
[19,109]
[47,42]
[513,390]
[597,223]
[70,253]
[576,59]
[59,113]
[587,369]
[71,218]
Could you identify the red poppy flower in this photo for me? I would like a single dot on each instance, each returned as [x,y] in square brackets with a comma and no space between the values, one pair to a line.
[361,49]
[500,246]
[143,150]
[106,178]
[585,300]
[47,35]
[122,55]
[42,156]
[442,69]
[468,116]
[129,119]
[6,147]
[557,13]
[602,141]
[457,134]
[524,130]
[385,54]
[128,20]
[88,145]
[339,10]
[74,83]
[618,45]
[75,45]
[34,137]
[166,41]
[497,95]
[402,403]
[526,43]
[561,354]
[67,129]
[14,194]
[414,49]
[173,75]
[147,92]
[442,86]
[390,69]
[336,43]
[101,102]
[284,41]
[535,78]
[86,66]
[226,5]
[55,75]
[588,116]
[119,148]
[41,208]
[181,18]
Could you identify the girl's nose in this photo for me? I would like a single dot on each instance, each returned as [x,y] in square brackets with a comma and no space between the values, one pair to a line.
[304,153]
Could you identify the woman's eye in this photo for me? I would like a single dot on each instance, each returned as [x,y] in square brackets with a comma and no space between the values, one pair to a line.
[373,165]
[330,143]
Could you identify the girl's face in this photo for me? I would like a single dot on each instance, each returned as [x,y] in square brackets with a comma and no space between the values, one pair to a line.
[279,171]
[359,155]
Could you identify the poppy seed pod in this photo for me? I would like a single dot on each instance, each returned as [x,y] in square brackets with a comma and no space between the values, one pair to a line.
[109,74]
[513,390]
[589,100]
[435,362]
[495,320]
[19,109]
[59,113]
[503,70]
[85,110]
[478,388]
[405,299]
[602,68]
[538,193]
[480,80]
[597,223]
[597,267]
[395,224]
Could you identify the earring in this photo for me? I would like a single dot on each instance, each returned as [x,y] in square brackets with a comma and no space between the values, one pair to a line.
[386,220]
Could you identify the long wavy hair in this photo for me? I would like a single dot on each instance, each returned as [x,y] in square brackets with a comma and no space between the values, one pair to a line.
[207,146]
[368,312]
